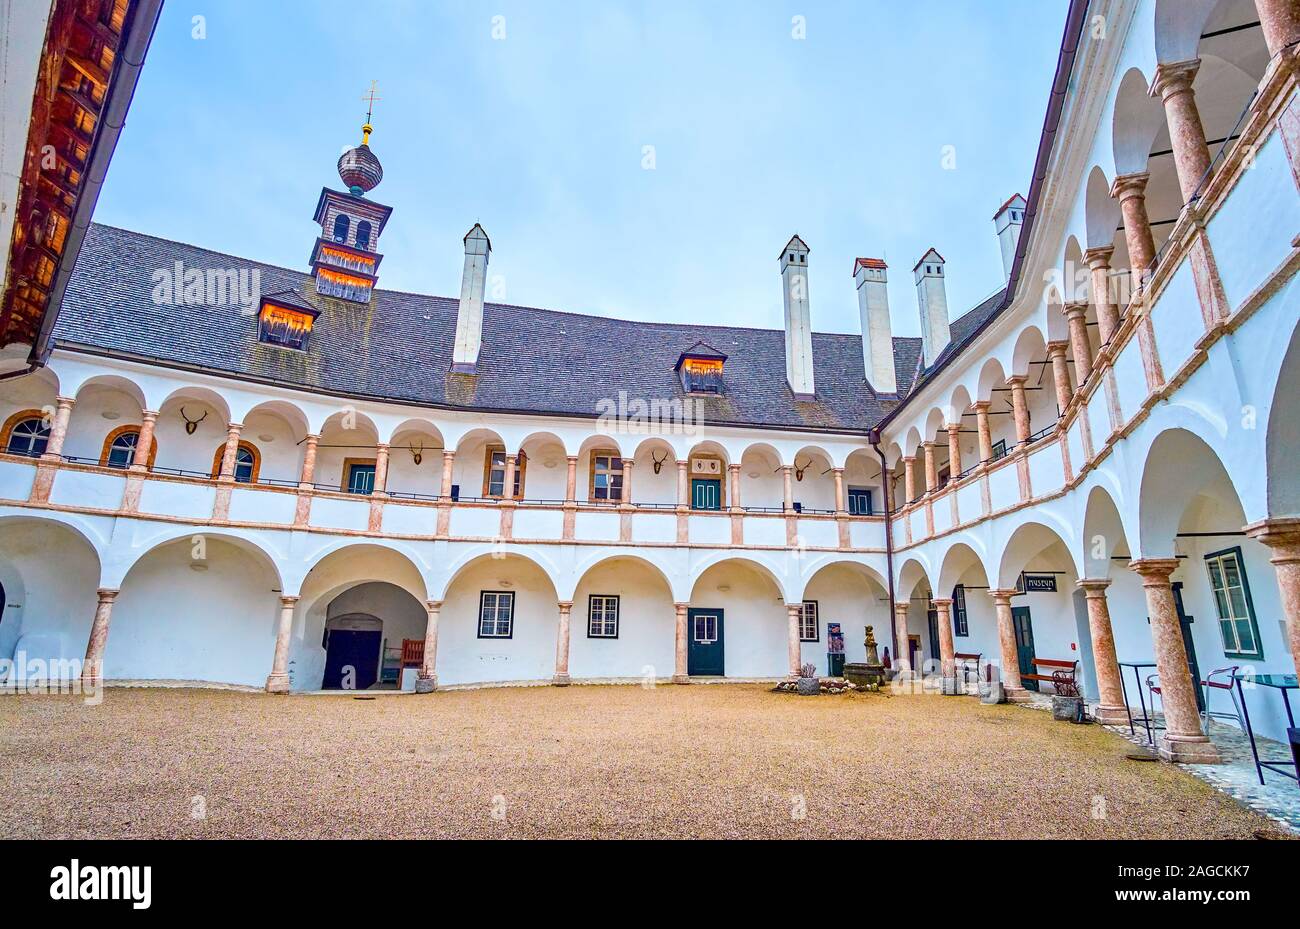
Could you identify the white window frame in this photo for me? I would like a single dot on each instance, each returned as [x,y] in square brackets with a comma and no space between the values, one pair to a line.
[500,600]
[1230,625]
[602,616]
[810,622]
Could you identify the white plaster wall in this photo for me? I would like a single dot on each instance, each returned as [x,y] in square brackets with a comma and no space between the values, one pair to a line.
[844,596]
[646,643]
[89,426]
[754,617]
[648,487]
[50,577]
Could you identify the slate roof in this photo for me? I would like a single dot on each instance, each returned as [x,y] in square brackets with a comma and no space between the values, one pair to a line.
[399,347]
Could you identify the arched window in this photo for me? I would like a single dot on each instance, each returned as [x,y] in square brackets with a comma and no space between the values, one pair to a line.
[119,447]
[27,433]
[363,235]
[247,462]
[341,228]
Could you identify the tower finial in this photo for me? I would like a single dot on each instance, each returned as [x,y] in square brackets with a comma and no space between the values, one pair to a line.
[369,99]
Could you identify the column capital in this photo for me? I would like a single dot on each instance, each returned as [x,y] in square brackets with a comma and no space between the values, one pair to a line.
[1154,571]
[1003,596]
[629,463]
[928,445]
[62,401]
[952,428]
[565,605]
[941,602]
[1174,78]
[1127,186]
[1017,380]
[107,594]
[1099,257]
[381,446]
[787,469]
[1074,309]
[433,605]
[837,470]
[313,437]
[235,427]
[681,607]
[448,454]
[1281,534]
[1094,586]
[900,607]
[982,406]
[571,458]
[1058,347]
[149,416]
[794,606]
[289,599]
[910,458]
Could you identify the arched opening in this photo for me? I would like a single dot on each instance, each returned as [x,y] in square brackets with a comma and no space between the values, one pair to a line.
[814,481]
[600,475]
[346,454]
[762,488]
[706,475]
[840,601]
[191,423]
[655,474]
[1283,442]
[341,225]
[198,608]
[737,622]
[1030,359]
[363,234]
[278,430]
[26,408]
[863,484]
[415,460]
[623,622]
[50,573]
[1048,612]
[920,626]
[962,580]
[106,409]
[480,467]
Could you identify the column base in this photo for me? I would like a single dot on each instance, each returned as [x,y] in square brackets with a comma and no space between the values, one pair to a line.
[560,680]
[277,684]
[426,685]
[1111,715]
[681,678]
[1184,750]
[1016,694]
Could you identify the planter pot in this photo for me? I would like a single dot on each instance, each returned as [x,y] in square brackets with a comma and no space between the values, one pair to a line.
[992,692]
[1066,709]
[809,686]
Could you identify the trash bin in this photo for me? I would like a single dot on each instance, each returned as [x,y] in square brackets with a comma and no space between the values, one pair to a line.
[836,663]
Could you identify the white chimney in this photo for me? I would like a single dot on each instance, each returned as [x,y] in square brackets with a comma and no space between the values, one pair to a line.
[798,321]
[469,317]
[932,300]
[1008,222]
[877,335]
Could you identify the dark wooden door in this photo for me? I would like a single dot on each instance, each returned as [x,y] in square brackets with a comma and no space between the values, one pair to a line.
[355,651]
[704,651]
[706,494]
[1024,626]
[932,617]
[1185,623]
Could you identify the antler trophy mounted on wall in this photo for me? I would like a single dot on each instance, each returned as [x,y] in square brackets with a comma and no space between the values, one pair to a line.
[417,452]
[798,471]
[192,424]
[656,462]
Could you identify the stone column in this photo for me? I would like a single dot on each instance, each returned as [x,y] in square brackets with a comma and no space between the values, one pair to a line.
[903,660]
[982,427]
[92,671]
[734,472]
[1060,373]
[1011,683]
[427,682]
[1107,312]
[947,651]
[58,428]
[1173,83]
[931,472]
[381,468]
[277,682]
[448,464]
[840,503]
[1110,695]
[571,480]
[144,445]
[909,477]
[308,475]
[508,485]
[1282,536]
[561,678]
[227,470]
[683,485]
[1280,21]
[794,612]
[1076,319]
[628,466]
[1184,740]
[1131,192]
[680,673]
[1020,408]
[787,477]
[954,450]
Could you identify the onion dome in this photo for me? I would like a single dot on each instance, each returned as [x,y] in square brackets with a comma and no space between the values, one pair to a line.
[359,167]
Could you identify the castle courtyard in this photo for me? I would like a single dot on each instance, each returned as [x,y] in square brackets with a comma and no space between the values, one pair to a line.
[706,761]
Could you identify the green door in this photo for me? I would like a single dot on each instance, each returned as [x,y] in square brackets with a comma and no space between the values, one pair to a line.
[706,494]
[704,655]
[1024,626]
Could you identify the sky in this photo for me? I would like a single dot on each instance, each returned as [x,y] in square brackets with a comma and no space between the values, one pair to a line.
[646,160]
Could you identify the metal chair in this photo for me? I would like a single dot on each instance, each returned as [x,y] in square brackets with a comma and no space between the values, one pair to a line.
[1221,679]
[1153,688]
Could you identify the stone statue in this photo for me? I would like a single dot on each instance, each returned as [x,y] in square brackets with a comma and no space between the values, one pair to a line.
[873,659]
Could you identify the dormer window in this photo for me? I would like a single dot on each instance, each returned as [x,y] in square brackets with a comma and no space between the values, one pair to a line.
[363,235]
[700,368]
[285,319]
[341,229]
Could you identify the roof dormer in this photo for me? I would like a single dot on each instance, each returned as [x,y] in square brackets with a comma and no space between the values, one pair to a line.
[700,368]
[285,318]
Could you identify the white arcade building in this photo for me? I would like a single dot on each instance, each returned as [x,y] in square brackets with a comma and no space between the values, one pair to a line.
[226,472]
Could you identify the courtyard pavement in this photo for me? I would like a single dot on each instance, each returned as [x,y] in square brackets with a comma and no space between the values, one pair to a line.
[712,762]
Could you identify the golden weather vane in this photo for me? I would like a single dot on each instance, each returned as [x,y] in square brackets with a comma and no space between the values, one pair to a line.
[369,99]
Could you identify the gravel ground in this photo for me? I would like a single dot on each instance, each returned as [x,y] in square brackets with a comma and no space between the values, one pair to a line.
[719,762]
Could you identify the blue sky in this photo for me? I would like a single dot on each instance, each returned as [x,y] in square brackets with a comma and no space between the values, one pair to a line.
[541,136]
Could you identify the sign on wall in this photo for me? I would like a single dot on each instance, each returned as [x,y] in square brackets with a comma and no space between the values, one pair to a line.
[1038,583]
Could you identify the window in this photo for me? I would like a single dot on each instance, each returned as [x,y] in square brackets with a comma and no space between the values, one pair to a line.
[1233,604]
[29,436]
[494,473]
[999,450]
[341,228]
[809,628]
[247,462]
[363,235]
[960,625]
[706,629]
[606,476]
[702,376]
[496,614]
[119,448]
[859,501]
[602,617]
[358,476]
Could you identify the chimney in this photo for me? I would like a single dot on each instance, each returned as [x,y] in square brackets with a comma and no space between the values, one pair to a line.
[877,336]
[798,322]
[932,300]
[1008,221]
[469,317]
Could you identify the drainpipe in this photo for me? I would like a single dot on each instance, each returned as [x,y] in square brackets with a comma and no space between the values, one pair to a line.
[874,438]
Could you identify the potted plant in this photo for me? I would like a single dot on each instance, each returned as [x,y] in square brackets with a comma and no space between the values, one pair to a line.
[809,684]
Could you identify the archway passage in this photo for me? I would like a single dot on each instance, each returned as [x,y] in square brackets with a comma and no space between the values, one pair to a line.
[371,631]
[737,623]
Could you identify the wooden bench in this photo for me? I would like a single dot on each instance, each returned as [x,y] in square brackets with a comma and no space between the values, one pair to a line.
[1062,675]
